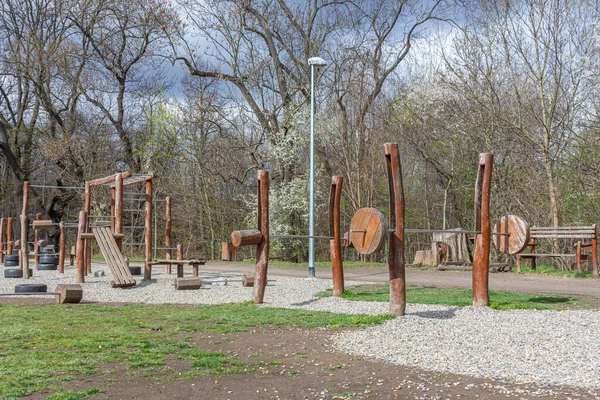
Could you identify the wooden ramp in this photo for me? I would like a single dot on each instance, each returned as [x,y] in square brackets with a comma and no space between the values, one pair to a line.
[108,246]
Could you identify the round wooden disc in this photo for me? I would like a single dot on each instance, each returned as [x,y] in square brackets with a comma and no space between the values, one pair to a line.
[368,230]
[518,231]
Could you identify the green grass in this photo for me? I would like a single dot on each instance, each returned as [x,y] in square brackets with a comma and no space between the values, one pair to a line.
[42,346]
[499,300]
[552,270]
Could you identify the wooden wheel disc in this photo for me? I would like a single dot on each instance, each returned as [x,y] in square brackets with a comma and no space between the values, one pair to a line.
[518,237]
[368,230]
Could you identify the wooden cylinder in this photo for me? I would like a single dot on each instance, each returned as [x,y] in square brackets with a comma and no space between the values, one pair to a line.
[148,231]
[118,219]
[481,257]
[396,258]
[112,208]
[2,240]
[248,280]
[595,256]
[80,248]
[36,246]
[179,257]
[190,283]
[69,293]
[24,258]
[248,237]
[62,247]
[262,250]
[9,244]
[168,222]
[87,207]
[335,230]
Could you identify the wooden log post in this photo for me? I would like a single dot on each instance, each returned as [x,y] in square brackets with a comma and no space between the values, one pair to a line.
[9,244]
[2,240]
[335,245]
[36,238]
[69,293]
[262,250]
[168,222]
[179,257]
[113,191]
[24,257]
[80,248]
[595,254]
[481,257]
[396,258]
[87,207]
[118,215]
[148,231]
[62,247]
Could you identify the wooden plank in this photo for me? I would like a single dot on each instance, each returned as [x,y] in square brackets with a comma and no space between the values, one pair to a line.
[562,236]
[114,258]
[133,180]
[42,224]
[547,255]
[108,256]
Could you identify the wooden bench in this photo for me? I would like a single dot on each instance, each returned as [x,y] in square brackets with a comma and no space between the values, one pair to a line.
[587,234]
[180,263]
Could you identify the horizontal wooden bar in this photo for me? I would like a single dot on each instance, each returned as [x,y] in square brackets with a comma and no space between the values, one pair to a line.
[133,180]
[108,179]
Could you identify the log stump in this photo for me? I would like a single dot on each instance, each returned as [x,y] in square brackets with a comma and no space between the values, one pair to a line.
[69,293]
[248,280]
[188,283]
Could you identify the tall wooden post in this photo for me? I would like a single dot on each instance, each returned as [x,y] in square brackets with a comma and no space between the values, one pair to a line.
[396,261]
[80,248]
[335,245]
[112,207]
[9,244]
[36,238]
[62,247]
[24,258]
[87,207]
[481,258]
[148,231]
[262,250]
[169,252]
[2,240]
[118,209]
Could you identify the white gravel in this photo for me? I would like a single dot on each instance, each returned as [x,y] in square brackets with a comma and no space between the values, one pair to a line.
[527,346]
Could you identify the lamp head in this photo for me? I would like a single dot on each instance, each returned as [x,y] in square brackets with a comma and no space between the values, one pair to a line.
[317,62]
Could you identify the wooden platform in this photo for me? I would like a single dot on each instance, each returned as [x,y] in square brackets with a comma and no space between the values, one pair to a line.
[113,256]
[180,264]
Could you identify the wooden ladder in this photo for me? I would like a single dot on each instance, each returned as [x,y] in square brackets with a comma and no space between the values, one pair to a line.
[108,246]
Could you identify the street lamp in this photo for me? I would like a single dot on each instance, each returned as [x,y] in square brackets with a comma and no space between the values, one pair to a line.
[314,62]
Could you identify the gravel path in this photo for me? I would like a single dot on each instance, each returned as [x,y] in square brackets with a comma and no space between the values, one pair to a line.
[543,347]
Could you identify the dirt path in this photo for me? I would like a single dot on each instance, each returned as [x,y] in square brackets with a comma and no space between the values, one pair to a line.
[525,283]
[298,364]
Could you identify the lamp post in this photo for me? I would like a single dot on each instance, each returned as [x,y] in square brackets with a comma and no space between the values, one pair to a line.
[314,62]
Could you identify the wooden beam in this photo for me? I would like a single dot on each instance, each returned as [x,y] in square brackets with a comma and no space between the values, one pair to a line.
[108,179]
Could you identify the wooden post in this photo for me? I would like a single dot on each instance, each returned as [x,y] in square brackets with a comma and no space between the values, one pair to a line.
[36,238]
[169,252]
[87,207]
[335,245]
[80,247]
[118,212]
[112,207]
[578,257]
[595,254]
[481,257]
[179,257]
[396,261]
[9,245]
[2,240]
[262,250]
[24,258]
[148,231]
[62,247]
